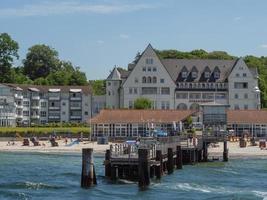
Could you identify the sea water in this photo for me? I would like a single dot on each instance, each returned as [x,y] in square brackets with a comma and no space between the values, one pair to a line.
[46,176]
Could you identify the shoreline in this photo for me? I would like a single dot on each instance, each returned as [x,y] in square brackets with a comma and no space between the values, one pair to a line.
[235,152]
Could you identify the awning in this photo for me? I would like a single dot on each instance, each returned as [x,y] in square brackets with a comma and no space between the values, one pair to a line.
[75,90]
[34,89]
[54,90]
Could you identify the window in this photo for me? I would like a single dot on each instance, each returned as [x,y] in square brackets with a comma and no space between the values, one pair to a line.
[149,61]
[109,93]
[244,75]
[144,79]
[181,95]
[63,103]
[26,103]
[154,69]
[149,79]
[43,113]
[208,96]
[236,96]
[144,69]
[165,91]
[26,113]
[236,107]
[245,106]
[194,74]
[63,113]
[237,75]
[246,96]
[109,83]
[184,74]
[154,79]
[207,74]
[149,69]
[130,90]
[149,90]
[241,85]
[130,104]
[86,113]
[165,105]
[43,104]
[216,74]
[162,80]
[195,96]
[135,90]
[136,80]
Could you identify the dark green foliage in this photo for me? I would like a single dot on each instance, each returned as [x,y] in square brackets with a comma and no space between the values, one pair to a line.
[99,87]
[8,51]
[142,103]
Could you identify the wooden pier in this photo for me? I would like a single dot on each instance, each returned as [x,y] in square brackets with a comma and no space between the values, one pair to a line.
[152,158]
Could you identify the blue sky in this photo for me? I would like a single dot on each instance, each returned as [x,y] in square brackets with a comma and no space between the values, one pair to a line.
[96,35]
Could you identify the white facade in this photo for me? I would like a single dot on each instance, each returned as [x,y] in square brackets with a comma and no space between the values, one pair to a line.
[183,83]
[25,105]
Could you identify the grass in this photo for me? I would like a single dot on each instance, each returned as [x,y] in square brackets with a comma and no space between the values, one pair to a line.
[41,131]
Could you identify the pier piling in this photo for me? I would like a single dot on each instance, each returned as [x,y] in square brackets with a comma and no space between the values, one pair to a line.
[107,163]
[88,177]
[159,166]
[143,168]
[170,163]
[179,160]
[225,151]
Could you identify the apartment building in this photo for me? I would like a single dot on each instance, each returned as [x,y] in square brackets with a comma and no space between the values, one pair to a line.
[183,83]
[34,104]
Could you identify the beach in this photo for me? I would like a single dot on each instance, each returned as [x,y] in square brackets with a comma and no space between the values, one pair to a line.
[73,147]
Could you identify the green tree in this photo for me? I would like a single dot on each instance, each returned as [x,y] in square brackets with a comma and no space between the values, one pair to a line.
[18,77]
[142,103]
[99,87]
[78,78]
[8,51]
[40,61]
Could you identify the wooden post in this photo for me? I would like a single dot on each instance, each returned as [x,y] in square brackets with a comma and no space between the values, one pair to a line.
[88,177]
[107,163]
[205,152]
[152,171]
[225,151]
[114,173]
[143,168]
[179,160]
[170,163]
[159,167]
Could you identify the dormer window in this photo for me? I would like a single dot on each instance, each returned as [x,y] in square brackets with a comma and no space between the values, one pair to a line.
[194,74]
[207,74]
[184,74]
[216,75]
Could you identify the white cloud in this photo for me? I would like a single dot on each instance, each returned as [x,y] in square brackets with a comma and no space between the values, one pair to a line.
[263,46]
[124,36]
[70,7]
[236,19]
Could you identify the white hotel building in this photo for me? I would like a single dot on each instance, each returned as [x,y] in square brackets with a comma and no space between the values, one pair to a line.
[34,104]
[183,83]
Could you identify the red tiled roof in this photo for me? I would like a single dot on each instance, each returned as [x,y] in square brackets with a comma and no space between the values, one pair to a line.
[140,116]
[247,116]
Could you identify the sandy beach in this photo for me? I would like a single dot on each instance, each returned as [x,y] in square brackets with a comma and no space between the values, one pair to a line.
[234,150]
[46,147]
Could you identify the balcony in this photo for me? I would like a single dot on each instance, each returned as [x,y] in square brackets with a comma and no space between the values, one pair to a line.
[18,96]
[36,97]
[54,117]
[54,108]
[19,106]
[54,98]
[19,116]
[35,116]
[75,117]
[35,107]
[75,98]
[75,107]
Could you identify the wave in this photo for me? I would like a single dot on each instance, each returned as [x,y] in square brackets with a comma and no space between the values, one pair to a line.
[29,185]
[14,195]
[195,187]
[260,194]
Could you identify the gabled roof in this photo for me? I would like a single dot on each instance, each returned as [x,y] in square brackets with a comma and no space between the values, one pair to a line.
[108,116]
[174,67]
[247,116]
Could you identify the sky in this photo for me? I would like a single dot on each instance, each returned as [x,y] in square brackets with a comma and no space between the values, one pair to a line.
[96,35]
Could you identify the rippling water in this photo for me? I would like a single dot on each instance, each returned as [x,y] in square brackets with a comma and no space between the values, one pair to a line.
[57,176]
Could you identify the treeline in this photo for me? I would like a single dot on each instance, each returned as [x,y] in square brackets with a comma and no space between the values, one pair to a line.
[41,66]
[252,61]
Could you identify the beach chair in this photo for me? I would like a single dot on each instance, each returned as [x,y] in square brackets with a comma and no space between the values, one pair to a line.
[53,142]
[26,142]
[35,141]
